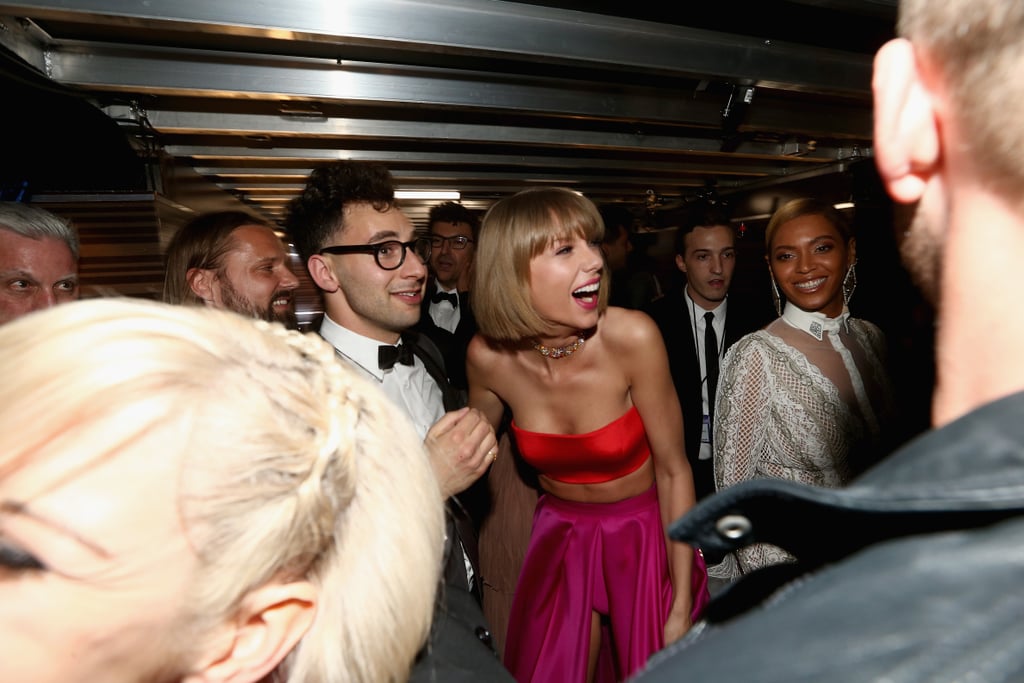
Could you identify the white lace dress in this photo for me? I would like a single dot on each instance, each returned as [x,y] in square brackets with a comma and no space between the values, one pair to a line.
[803,399]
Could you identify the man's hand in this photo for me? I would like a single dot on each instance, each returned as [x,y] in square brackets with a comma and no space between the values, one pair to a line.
[462,445]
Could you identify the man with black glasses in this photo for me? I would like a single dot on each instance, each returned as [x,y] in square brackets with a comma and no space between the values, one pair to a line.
[446,315]
[363,254]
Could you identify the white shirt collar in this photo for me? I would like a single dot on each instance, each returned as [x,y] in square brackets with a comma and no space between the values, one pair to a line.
[696,311]
[359,349]
[815,324]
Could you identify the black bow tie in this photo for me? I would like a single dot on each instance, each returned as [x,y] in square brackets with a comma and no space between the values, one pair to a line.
[451,297]
[388,355]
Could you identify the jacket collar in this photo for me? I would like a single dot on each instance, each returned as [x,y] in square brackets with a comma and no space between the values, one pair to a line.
[967,474]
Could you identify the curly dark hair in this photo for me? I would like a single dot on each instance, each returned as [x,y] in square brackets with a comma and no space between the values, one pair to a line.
[316,214]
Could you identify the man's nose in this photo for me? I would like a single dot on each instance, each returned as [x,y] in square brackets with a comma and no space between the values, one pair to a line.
[288,280]
[413,266]
[44,298]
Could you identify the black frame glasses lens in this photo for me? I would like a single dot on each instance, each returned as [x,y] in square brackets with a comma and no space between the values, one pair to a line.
[420,246]
[458,242]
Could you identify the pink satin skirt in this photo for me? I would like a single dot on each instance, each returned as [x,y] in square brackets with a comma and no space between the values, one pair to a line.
[608,558]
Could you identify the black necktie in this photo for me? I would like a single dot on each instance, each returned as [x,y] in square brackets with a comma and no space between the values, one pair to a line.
[388,355]
[711,360]
[450,297]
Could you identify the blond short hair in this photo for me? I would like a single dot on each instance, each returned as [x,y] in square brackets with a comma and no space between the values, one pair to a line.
[292,465]
[979,47]
[514,231]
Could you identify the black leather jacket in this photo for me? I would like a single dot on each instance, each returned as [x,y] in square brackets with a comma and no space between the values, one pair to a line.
[915,572]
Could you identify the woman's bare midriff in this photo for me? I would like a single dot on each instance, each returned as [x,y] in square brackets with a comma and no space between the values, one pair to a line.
[633,484]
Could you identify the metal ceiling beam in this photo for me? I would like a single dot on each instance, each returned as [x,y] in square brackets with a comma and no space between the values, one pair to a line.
[200,73]
[196,123]
[311,156]
[506,30]
[205,123]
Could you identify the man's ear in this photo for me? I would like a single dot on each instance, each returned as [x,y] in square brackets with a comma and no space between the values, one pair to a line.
[680,263]
[201,280]
[907,130]
[268,625]
[322,273]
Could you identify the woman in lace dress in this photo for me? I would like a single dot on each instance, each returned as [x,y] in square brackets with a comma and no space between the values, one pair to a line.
[804,398]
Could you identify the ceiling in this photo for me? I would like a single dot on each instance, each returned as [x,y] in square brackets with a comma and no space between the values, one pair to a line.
[633,102]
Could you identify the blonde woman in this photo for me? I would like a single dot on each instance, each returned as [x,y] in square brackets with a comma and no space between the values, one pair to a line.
[595,413]
[189,495]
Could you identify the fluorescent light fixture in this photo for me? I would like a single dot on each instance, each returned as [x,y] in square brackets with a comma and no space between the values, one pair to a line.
[843,205]
[453,195]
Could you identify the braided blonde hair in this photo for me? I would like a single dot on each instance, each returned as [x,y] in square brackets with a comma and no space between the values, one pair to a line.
[293,466]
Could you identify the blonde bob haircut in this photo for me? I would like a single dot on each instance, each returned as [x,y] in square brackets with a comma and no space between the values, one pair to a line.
[292,467]
[513,232]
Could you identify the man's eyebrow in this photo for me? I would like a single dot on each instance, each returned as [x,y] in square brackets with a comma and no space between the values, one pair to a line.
[382,235]
[17,273]
[14,507]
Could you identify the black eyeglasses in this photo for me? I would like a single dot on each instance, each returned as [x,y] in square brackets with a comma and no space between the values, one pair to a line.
[389,255]
[457,242]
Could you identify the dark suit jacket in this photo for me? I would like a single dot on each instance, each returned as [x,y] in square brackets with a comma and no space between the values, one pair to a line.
[452,345]
[672,314]
[460,646]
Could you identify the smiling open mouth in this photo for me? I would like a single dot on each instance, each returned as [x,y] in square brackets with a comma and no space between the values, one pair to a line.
[587,292]
[813,284]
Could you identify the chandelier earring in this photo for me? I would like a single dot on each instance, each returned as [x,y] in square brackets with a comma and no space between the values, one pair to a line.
[776,297]
[849,282]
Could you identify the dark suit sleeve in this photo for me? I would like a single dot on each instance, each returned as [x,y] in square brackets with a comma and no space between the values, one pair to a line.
[459,648]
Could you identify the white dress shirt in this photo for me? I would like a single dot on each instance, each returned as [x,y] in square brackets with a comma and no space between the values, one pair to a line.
[410,387]
[699,326]
[443,313]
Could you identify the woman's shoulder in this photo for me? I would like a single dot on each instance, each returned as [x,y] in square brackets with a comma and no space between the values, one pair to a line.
[752,347]
[483,351]
[628,325]
[870,333]
[866,327]
[753,340]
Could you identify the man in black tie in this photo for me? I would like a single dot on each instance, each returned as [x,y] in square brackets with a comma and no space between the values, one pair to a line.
[699,323]
[447,317]
[362,253]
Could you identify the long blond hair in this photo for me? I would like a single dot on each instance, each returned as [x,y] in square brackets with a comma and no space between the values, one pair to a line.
[292,465]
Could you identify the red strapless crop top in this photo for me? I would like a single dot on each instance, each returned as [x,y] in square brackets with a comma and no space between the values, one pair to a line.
[610,452]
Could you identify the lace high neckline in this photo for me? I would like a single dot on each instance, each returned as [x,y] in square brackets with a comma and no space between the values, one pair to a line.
[815,324]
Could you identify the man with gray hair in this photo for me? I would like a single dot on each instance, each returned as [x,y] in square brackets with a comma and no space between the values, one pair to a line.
[38,260]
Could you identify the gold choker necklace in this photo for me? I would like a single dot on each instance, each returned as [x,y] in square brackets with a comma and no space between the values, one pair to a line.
[559,351]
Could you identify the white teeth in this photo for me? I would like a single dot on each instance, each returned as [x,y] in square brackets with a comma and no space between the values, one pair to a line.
[588,289]
[810,285]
